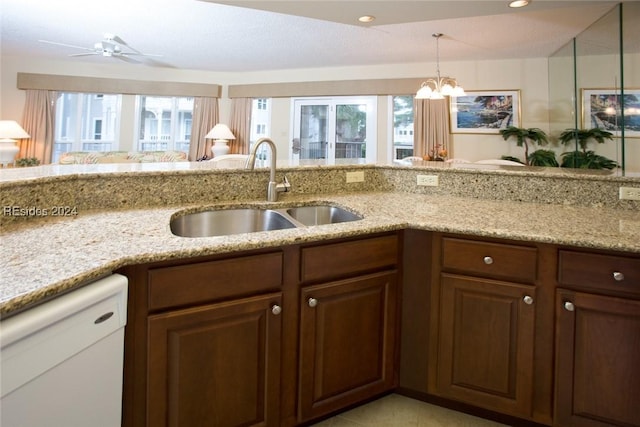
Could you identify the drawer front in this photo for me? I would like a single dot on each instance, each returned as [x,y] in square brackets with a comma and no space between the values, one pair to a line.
[340,259]
[597,271]
[495,260]
[213,280]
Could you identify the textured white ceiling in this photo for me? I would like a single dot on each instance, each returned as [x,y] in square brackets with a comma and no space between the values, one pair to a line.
[206,35]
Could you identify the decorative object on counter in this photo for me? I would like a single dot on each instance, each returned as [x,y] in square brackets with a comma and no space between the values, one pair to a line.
[485,112]
[545,158]
[27,161]
[221,134]
[523,135]
[10,131]
[442,86]
[583,158]
[437,154]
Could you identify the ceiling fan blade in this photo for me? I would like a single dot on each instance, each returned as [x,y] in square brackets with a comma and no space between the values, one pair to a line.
[66,45]
[141,54]
[84,54]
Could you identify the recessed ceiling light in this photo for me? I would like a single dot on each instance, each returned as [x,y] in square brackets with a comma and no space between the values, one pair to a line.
[367,18]
[519,3]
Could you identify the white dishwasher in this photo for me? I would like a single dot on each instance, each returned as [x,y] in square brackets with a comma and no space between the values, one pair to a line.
[61,362]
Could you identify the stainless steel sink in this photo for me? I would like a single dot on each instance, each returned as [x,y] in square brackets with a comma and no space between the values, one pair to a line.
[319,215]
[227,222]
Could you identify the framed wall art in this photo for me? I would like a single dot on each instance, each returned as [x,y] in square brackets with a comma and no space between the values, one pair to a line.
[602,108]
[485,111]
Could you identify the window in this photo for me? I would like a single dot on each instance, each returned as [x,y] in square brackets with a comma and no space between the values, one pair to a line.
[335,128]
[260,123]
[261,103]
[402,126]
[86,122]
[164,123]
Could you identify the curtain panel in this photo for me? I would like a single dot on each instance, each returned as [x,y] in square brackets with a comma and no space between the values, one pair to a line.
[205,117]
[38,119]
[240,125]
[431,126]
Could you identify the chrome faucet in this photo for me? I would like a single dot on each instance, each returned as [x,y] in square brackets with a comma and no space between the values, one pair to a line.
[273,188]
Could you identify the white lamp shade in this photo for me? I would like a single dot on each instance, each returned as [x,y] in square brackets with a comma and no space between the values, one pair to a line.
[9,129]
[220,131]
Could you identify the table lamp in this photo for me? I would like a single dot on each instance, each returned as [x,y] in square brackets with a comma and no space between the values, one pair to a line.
[220,134]
[10,131]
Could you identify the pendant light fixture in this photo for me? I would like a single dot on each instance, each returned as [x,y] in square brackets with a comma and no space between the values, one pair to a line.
[439,87]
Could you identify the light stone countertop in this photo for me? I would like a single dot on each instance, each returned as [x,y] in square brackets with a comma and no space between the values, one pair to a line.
[49,256]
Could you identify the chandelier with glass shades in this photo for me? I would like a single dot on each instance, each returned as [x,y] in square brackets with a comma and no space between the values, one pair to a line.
[439,87]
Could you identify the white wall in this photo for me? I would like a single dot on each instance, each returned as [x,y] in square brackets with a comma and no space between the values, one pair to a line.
[527,75]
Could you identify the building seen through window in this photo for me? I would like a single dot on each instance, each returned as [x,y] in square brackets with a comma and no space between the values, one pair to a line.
[164,123]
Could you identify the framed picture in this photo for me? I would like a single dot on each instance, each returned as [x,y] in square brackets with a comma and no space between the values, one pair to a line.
[602,108]
[485,111]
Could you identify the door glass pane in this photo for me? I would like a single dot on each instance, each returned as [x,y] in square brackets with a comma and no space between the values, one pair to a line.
[314,131]
[351,131]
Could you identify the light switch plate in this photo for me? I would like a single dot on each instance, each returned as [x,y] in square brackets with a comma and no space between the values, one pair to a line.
[357,176]
[629,193]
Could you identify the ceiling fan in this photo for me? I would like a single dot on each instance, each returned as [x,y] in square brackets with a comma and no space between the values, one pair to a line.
[110,46]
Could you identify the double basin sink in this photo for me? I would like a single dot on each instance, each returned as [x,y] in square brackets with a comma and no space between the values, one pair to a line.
[224,222]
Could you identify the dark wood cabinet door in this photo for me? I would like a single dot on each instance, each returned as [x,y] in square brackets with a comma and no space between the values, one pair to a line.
[347,342]
[216,365]
[486,343]
[597,360]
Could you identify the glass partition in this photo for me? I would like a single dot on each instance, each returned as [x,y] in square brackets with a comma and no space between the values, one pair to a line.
[594,88]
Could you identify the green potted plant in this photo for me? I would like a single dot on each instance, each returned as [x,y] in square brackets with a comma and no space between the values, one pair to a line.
[27,161]
[523,136]
[583,158]
[545,158]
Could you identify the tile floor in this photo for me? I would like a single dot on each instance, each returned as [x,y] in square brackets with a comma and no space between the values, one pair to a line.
[399,411]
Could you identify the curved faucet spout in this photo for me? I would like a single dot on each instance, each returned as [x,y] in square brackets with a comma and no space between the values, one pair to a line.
[272,187]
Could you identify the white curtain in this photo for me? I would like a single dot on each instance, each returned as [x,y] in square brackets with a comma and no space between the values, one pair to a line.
[38,119]
[205,117]
[431,132]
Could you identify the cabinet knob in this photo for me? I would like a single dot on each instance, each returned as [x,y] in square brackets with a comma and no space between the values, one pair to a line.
[276,309]
[312,302]
[618,276]
[569,306]
[528,300]
[488,260]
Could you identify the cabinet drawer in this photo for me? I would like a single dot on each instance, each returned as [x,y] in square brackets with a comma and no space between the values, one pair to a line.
[511,262]
[213,280]
[339,259]
[604,272]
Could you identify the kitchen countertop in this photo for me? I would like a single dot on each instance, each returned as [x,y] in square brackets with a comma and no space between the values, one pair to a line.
[49,256]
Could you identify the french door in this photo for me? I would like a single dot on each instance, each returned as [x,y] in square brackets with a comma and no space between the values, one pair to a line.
[334,129]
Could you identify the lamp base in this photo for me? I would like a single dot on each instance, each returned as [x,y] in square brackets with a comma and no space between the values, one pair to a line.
[220,148]
[8,151]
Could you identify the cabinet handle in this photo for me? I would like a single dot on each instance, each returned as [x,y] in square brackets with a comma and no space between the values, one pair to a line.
[312,302]
[276,309]
[488,260]
[618,276]
[569,306]
[528,300]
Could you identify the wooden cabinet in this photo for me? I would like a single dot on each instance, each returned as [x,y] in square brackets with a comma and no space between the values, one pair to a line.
[597,340]
[485,328]
[347,342]
[348,327]
[232,340]
[204,341]
[216,365]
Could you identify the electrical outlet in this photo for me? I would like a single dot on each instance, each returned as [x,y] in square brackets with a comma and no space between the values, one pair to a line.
[427,180]
[629,193]
[357,176]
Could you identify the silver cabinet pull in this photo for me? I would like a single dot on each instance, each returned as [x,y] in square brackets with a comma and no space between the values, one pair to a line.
[276,309]
[528,300]
[312,302]
[618,276]
[488,260]
[569,306]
